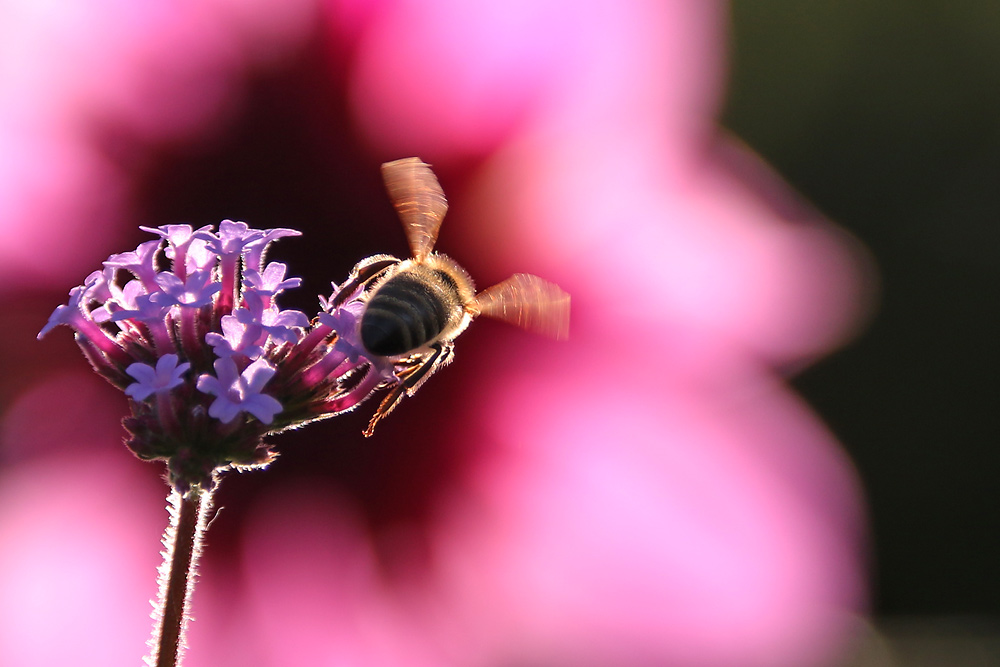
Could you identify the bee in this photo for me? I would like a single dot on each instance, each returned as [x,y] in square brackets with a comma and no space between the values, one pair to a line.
[415,308]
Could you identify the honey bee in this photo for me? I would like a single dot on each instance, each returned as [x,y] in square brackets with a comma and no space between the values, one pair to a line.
[416,308]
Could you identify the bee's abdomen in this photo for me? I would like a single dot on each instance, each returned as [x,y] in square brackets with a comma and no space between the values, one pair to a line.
[403,315]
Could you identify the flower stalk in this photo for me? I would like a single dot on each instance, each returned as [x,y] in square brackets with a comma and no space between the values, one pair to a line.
[182,544]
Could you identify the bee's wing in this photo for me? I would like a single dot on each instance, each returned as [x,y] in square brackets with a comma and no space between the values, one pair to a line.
[419,201]
[529,302]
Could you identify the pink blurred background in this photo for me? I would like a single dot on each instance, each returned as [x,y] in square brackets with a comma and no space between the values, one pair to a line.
[649,493]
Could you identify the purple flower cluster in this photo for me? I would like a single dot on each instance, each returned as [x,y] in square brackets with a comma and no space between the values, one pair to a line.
[209,360]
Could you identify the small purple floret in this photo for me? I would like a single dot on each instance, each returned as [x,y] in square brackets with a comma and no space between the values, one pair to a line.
[283,325]
[178,236]
[344,321]
[98,285]
[167,375]
[232,238]
[255,250]
[194,292]
[141,262]
[69,314]
[187,251]
[240,392]
[133,303]
[271,281]
[278,324]
[240,334]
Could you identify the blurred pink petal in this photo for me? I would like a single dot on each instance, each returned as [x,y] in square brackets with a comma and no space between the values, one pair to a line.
[655,525]
[311,586]
[142,72]
[79,535]
[449,78]
[711,268]
[60,413]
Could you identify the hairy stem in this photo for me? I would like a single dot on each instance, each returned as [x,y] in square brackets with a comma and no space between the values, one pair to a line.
[182,546]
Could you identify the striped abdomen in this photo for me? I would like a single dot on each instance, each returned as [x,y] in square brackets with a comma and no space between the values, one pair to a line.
[409,310]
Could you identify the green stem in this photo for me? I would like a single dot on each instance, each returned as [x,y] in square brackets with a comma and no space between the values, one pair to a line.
[182,545]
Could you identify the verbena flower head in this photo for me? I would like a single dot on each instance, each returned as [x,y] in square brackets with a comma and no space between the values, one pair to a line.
[188,326]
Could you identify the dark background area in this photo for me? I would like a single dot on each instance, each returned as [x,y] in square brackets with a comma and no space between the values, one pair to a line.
[886,114]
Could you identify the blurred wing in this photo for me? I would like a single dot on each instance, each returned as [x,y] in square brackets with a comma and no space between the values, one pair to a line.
[419,201]
[529,302]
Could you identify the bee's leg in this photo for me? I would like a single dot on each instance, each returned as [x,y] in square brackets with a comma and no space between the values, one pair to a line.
[364,272]
[409,384]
